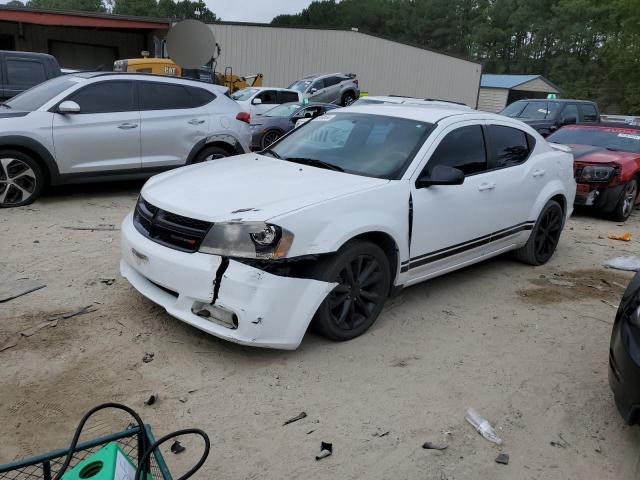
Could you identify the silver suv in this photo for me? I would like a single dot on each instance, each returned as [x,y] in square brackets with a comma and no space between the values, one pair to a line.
[339,88]
[107,126]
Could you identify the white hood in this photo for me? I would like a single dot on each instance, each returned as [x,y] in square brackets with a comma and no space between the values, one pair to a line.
[248,187]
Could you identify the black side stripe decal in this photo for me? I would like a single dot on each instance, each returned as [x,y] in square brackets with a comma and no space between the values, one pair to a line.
[462,247]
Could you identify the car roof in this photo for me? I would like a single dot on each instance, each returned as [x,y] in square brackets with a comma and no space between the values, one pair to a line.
[149,76]
[425,113]
[605,125]
[398,100]
[280,89]
[320,75]
[560,100]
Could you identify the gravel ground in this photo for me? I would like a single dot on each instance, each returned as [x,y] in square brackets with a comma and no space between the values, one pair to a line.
[527,347]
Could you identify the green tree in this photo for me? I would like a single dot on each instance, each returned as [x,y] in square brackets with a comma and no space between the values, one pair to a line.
[185,9]
[141,8]
[77,5]
[15,3]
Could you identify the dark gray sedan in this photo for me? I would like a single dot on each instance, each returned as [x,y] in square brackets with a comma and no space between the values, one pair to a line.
[270,126]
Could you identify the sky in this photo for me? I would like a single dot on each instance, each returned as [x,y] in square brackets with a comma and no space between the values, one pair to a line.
[261,11]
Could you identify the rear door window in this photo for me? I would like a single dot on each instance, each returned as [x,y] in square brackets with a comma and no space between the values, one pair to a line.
[589,113]
[105,97]
[25,73]
[463,148]
[286,97]
[268,97]
[171,96]
[570,112]
[508,146]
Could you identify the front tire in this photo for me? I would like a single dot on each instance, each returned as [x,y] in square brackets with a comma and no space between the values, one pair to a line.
[625,205]
[362,272]
[21,179]
[544,237]
[211,153]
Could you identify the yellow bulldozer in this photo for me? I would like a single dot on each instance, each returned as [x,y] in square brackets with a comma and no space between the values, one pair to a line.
[165,66]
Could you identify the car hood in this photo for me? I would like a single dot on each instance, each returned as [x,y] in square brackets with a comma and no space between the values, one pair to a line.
[249,187]
[7,113]
[536,123]
[591,154]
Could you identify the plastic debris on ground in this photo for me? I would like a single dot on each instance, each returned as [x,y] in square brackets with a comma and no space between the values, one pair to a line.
[434,446]
[629,263]
[625,237]
[503,459]
[326,449]
[482,426]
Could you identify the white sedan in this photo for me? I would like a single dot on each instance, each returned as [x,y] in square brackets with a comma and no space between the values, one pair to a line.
[336,215]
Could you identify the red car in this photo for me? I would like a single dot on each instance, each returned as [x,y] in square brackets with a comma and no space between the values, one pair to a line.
[606,165]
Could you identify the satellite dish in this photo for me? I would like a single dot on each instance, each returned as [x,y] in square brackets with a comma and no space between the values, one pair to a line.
[191,44]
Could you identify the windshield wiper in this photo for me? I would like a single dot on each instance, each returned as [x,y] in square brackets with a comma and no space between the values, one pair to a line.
[315,163]
[611,149]
[271,152]
[5,105]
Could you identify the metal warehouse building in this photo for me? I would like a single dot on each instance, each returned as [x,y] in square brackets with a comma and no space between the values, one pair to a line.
[283,54]
[383,66]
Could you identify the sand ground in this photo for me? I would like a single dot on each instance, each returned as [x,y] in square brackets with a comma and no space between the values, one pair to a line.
[527,347]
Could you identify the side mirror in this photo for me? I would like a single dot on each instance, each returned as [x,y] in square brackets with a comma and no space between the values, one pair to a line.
[313,90]
[257,101]
[569,121]
[441,175]
[68,107]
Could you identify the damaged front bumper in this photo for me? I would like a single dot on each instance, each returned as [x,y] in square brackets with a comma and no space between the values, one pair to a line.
[230,300]
[599,197]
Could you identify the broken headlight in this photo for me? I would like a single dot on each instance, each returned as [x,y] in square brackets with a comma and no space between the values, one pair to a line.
[247,240]
[596,174]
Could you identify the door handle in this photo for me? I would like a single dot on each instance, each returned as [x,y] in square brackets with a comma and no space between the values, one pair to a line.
[127,126]
[195,121]
[486,186]
[539,173]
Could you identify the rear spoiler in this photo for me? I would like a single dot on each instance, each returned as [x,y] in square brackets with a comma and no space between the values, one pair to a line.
[561,148]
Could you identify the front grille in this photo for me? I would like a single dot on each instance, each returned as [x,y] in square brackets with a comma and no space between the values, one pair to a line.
[169,229]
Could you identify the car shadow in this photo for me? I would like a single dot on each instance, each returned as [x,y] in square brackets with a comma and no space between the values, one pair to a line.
[98,191]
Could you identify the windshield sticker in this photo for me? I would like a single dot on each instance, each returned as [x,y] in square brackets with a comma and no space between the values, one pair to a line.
[323,118]
[542,110]
[628,135]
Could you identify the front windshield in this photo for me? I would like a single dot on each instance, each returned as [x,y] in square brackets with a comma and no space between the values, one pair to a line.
[244,94]
[300,86]
[285,110]
[626,140]
[532,110]
[362,144]
[34,98]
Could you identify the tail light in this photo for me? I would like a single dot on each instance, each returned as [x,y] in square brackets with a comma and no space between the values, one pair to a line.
[355,80]
[244,117]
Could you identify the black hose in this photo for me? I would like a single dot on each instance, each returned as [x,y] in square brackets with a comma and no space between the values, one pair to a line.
[142,437]
[144,453]
[157,443]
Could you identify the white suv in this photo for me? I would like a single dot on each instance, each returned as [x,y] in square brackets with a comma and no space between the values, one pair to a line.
[334,216]
[258,100]
[97,126]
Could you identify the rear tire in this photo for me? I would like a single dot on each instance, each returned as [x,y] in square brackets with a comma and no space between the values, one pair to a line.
[21,179]
[347,99]
[269,137]
[625,205]
[362,272]
[211,153]
[544,237]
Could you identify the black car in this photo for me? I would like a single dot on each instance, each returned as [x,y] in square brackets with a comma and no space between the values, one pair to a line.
[20,71]
[624,354]
[546,116]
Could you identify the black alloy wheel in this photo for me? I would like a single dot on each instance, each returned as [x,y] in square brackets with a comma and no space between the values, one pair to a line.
[545,236]
[361,271]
